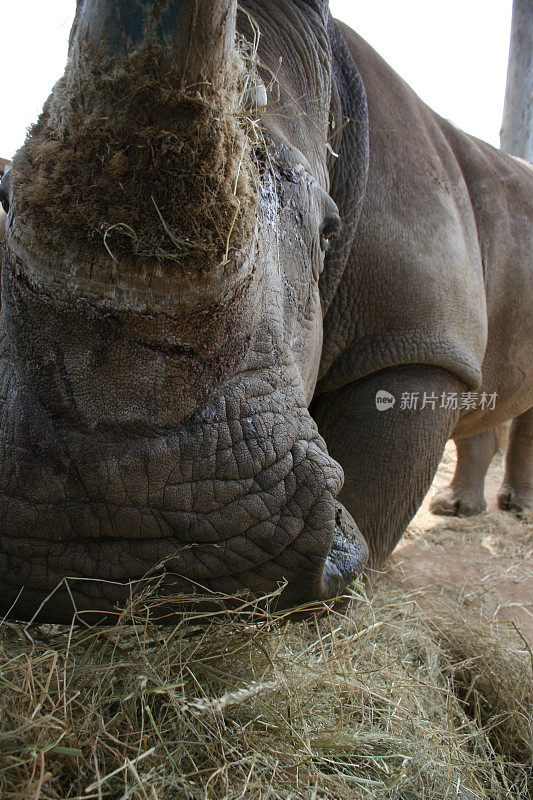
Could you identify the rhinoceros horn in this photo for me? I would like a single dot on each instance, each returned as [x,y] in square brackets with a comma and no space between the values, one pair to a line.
[149,98]
[199,33]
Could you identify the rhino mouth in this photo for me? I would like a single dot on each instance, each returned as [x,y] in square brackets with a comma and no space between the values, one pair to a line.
[344,563]
[168,593]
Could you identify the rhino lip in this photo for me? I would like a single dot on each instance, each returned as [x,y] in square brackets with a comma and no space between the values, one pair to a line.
[347,557]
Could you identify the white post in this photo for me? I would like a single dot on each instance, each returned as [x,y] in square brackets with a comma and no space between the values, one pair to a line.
[516,135]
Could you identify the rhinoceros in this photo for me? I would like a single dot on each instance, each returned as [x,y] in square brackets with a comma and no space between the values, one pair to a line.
[245,275]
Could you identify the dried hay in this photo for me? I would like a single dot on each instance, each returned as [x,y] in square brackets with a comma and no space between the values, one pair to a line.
[381,702]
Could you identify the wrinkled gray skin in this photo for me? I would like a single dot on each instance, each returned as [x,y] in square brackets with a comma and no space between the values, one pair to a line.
[108,467]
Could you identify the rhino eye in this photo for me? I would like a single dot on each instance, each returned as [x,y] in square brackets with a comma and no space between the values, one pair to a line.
[330,228]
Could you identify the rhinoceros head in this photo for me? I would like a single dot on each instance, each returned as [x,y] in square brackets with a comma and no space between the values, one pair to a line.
[162,318]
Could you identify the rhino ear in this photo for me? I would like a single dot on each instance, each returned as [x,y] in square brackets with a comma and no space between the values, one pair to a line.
[348,167]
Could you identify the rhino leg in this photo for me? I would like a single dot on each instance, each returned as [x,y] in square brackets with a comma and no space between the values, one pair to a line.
[465,496]
[389,457]
[516,491]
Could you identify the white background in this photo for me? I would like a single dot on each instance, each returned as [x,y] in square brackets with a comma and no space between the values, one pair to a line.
[452,52]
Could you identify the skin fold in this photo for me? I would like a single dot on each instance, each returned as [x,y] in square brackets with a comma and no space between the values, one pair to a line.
[214,422]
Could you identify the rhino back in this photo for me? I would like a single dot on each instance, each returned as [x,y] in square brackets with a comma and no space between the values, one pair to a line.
[501,193]
[414,290]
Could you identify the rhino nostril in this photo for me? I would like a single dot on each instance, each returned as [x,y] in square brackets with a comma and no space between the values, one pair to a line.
[347,557]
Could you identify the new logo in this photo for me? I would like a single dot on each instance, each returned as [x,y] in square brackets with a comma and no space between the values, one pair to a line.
[384,400]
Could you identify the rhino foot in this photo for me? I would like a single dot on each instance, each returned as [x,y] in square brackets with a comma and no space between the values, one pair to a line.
[452,502]
[511,499]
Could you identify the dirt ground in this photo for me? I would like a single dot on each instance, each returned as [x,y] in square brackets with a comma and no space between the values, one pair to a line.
[485,563]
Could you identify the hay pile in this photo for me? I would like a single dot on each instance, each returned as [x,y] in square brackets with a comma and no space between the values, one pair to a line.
[381,702]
